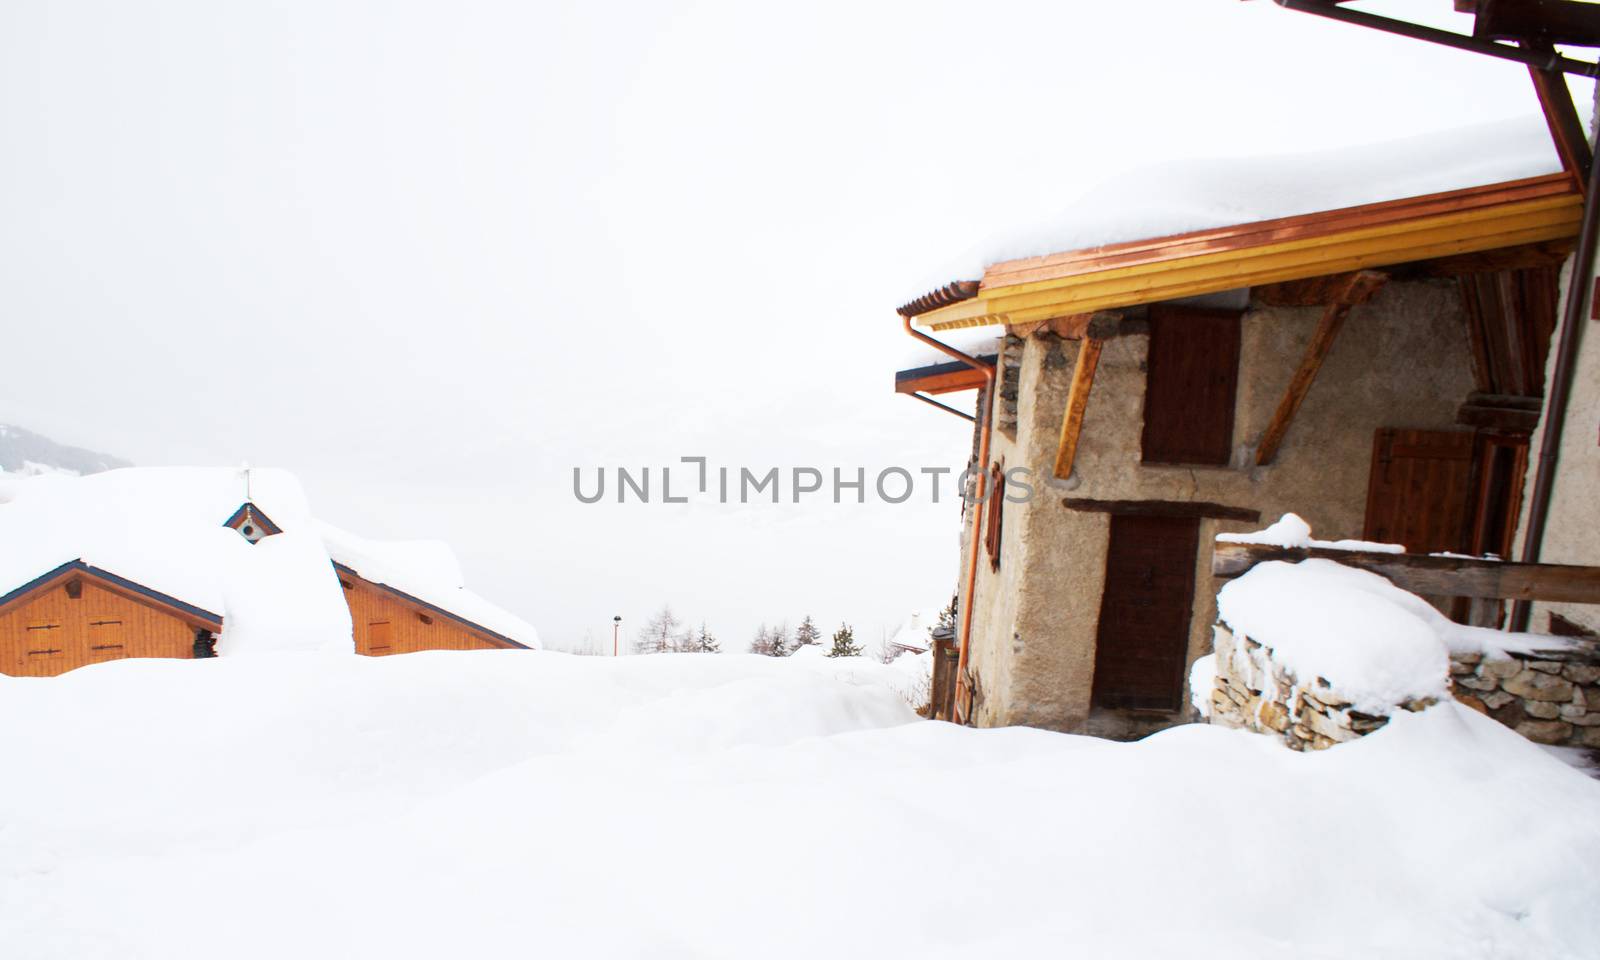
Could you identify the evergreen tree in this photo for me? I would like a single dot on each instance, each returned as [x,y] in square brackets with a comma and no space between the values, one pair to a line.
[780,641]
[947,616]
[807,634]
[762,644]
[844,642]
[659,635]
[704,642]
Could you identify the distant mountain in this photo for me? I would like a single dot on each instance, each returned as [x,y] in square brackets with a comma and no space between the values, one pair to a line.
[23,451]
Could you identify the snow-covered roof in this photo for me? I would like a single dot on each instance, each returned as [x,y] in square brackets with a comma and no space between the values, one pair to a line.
[425,570]
[1165,204]
[162,528]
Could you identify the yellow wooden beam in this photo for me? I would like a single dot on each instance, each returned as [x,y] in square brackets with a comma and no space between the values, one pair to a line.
[1470,232]
[1077,404]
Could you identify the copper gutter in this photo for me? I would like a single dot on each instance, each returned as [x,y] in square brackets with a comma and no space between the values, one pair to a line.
[963,697]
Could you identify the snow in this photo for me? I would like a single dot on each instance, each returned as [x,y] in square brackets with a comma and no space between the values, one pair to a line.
[162,527]
[1200,194]
[1294,533]
[916,633]
[1376,644]
[496,803]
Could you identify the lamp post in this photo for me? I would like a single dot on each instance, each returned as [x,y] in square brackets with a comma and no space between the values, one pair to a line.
[616,629]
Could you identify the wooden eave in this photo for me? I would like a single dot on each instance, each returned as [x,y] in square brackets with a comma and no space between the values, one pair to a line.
[197,617]
[1456,222]
[940,378]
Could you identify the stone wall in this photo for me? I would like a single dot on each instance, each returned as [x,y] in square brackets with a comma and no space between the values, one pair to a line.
[1551,698]
[1401,361]
[1252,691]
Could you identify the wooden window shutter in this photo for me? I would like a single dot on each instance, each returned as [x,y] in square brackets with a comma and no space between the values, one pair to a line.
[1192,372]
[993,508]
[1420,493]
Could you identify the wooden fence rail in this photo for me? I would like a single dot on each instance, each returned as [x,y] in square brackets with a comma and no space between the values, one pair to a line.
[1431,575]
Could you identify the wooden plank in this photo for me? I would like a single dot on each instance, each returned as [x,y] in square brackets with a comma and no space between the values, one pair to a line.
[1431,575]
[1196,509]
[1551,253]
[1566,129]
[1359,288]
[1506,419]
[1077,404]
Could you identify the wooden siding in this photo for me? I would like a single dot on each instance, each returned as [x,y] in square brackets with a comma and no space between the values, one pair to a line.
[50,633]
[386,624]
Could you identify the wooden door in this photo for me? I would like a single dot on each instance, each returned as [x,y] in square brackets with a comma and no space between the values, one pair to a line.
[1142,645]
[1420,493]
[1192,372]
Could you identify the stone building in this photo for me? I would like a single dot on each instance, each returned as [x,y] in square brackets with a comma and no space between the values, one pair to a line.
[1376,367]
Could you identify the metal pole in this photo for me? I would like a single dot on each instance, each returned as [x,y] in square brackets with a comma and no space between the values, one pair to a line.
[616,628]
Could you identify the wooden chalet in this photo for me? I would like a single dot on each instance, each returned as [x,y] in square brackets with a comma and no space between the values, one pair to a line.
[1380,369]
[76,614]
[153,576]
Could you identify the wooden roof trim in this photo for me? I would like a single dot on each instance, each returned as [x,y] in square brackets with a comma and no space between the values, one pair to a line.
[940,378]
[122,586]
[1321,223]
[1461,232]
[476,628]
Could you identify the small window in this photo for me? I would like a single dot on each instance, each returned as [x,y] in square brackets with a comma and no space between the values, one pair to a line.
[424,617]
[1192,370]
[993,507]
[74,589]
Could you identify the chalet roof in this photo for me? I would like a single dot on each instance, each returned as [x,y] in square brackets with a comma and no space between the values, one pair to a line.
[122,584]
[427,573]
[1251,222]
[160,529]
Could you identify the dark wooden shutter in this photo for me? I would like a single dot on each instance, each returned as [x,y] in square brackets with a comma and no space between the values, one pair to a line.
[994,505]
[1142,645]
[1192,371]
[1420,492]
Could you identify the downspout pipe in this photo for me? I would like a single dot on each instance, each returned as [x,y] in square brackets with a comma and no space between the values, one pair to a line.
[1560,387]
[963,687]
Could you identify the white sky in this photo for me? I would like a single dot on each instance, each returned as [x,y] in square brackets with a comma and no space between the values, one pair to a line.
[433,256]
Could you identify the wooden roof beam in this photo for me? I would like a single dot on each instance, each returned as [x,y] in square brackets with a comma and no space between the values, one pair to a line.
[1358,288]
[1077,404]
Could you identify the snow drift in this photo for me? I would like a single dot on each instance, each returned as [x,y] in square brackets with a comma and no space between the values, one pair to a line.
[502,803]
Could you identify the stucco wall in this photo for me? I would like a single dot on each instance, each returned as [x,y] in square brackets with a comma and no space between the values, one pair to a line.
[1400,361]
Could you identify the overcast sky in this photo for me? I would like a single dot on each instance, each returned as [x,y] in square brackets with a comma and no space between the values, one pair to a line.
[433,256]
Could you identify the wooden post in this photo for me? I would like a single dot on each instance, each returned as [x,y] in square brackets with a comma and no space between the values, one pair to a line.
[1077,402]
[1361,287]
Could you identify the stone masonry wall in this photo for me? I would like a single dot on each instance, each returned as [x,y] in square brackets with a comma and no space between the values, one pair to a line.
[1552,697]
[1253,691]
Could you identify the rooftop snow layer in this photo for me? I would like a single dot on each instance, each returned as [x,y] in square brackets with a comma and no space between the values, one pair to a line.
[427,570]
[1201,194]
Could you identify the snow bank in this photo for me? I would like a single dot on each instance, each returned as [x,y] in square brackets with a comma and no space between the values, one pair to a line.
[491,803]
